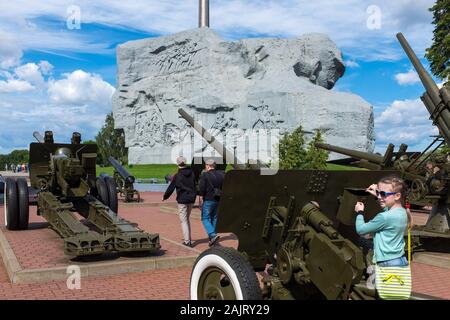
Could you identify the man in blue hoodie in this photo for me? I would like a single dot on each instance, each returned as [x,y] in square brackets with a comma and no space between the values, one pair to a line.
[210,187]
[184,182]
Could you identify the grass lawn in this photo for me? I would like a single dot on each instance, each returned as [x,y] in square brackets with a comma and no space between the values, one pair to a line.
[336,167]
[144,171]
[158,171]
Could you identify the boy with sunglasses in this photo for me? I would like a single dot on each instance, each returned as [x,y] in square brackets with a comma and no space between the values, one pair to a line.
[388,227]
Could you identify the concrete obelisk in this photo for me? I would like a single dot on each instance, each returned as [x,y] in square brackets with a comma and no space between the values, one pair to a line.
[203,17]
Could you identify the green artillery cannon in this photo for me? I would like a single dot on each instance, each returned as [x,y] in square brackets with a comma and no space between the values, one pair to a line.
[297,224]
[64,176]
[425,187]
[125,182]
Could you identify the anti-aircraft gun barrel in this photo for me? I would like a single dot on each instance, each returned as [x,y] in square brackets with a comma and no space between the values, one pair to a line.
[225,153]
[121,170]
[436,100]
[426,79]
[351,153]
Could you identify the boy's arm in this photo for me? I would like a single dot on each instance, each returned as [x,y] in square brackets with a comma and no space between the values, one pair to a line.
[374,225]
[170,189]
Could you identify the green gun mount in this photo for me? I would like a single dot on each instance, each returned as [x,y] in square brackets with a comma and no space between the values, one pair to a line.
[424,187]
[125,182]
[301,223]
[65,177]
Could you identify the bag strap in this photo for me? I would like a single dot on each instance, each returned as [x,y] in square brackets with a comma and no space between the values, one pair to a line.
[408,206]
[209,181]
[409,246]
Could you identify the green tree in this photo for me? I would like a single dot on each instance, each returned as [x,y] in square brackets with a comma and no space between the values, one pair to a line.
[111,142]
[293,154]
[292,150]
[19,156]
[15,157]
[439,53]
[316,158]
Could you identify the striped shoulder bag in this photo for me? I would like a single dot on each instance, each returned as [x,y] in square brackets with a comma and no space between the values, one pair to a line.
[395,283]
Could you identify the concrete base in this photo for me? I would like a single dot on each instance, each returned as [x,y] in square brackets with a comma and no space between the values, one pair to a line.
[88,269]
[172,255]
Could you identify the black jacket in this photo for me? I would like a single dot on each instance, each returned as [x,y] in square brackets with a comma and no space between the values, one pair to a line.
[184,182]
[208,181]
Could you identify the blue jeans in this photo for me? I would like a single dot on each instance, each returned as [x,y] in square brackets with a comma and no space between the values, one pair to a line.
[209,216]
[397,262]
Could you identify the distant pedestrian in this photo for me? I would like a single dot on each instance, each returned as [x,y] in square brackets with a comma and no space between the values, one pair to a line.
[19,167]
[6,167]
[210,189]
[184,182]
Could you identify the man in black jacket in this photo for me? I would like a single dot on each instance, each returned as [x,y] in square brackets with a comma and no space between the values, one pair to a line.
[184,183]
[210,188]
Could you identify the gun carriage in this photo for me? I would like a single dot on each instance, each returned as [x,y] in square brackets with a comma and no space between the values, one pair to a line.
[301,223]
[64,176]
[125,182]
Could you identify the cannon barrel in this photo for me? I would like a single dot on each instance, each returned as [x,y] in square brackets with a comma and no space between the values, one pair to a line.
[427,81]
[121,170]
[38,137]
[351,153]
[319,221]
[437,101]
[224,152]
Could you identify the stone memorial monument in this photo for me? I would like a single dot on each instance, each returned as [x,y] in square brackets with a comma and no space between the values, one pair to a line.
[257,83]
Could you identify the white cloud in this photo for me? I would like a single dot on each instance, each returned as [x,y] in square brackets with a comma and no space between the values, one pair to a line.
[30,72]
[10,51]
[80,88]
[24,78]
[77,102]
[14,85]
[408,78]
[351,64]
[404,121]
[46,67]
[345,21]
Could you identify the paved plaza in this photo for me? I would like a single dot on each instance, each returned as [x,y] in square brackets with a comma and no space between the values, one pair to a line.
[34,265]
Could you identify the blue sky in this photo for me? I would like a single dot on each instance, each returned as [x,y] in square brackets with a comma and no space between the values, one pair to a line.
[53,77]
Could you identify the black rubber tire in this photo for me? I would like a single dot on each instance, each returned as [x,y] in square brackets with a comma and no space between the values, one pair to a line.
[241,275]
[112,194]
[24,211]
[11,205]
[102,191]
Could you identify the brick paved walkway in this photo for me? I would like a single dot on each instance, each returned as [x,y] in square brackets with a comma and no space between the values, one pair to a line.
[155,284]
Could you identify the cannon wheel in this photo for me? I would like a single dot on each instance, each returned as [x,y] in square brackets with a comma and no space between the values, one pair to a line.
[102,191]
[11,205]
[221,273]
[24,211]
[112,193]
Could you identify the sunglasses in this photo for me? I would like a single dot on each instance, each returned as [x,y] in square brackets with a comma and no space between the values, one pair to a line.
[384,194]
